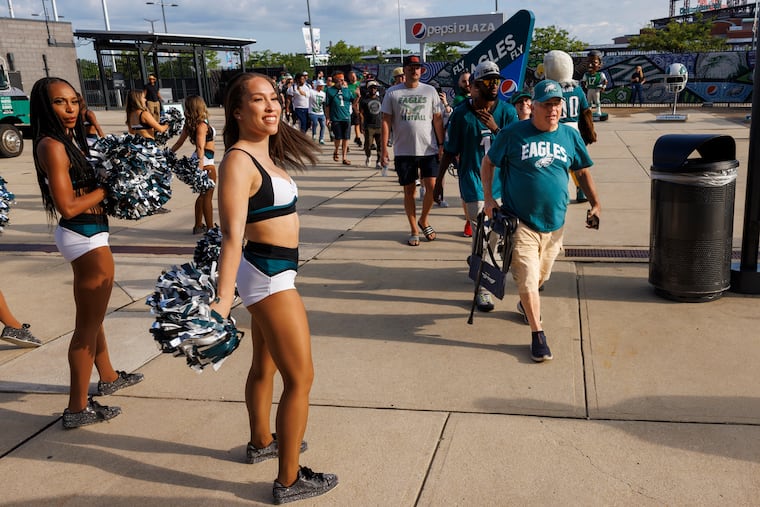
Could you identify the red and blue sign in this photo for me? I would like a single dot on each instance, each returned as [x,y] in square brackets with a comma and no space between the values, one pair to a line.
[419,30]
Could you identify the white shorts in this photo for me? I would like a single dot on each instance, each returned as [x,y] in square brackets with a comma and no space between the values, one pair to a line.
[265,270]
[80,235]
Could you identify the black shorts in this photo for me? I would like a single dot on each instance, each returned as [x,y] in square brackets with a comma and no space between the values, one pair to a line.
[355,118]
[409,169]
[341,129]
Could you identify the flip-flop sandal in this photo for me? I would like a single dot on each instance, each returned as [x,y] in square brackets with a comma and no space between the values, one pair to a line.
[413,240]
[346,162]
[428,231]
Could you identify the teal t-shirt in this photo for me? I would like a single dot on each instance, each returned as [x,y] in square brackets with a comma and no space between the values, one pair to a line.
[467,137]
[339,102]
[575,103]
[535,168]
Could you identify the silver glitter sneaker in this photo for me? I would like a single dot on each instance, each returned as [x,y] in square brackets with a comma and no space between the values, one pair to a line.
[93,413]
[123,380]
[256,455]
[307,485]
[20,336]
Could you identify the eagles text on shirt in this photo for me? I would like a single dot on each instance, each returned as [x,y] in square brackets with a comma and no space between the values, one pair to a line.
[413,108]
[546,150]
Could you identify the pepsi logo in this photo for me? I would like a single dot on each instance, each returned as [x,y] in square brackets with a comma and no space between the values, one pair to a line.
[507,86]
[712,89]
[419,30]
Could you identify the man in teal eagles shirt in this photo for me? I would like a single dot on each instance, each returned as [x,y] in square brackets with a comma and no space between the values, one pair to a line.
[535,158]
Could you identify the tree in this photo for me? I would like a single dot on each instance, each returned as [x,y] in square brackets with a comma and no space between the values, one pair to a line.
[342,53]
[446,51]
[89,69]
[679,37]
[551,37]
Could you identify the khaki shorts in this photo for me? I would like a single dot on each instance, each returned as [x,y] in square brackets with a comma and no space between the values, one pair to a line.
[533,257]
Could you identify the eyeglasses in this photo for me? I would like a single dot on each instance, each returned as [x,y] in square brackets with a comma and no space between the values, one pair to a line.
[489,82]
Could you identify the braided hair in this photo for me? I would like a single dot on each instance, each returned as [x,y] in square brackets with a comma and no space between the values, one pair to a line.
[45,123]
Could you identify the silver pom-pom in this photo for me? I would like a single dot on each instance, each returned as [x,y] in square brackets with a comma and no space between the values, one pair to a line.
[6,199]
[135,174]
[208,248]
[185,324]
[176,120]
[187,171]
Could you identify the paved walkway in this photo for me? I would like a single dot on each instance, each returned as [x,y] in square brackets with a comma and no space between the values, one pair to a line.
[647,402]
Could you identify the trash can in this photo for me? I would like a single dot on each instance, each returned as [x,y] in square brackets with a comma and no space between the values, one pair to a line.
[692,216]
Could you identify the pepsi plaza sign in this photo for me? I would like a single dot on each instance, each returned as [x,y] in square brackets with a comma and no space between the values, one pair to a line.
[452,29]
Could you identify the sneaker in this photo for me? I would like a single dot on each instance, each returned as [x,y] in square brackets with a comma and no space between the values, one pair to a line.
[521,310]
[93,413]
[378,165]
[358,142]
[162,211]
[199,230]
[123,380]
[307,485]
[321,141]
[539,349]
[467,229]
[20,336]
[484,302]
[256,455]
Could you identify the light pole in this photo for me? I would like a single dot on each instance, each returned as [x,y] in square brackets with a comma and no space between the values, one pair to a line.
[151,21]
[311,35]
[163,4]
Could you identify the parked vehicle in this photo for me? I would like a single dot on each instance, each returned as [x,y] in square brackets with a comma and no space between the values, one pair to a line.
[14,115]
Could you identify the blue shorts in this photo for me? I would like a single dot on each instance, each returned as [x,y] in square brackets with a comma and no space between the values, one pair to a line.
[341,129]
[265,270]
[83,233]
[409,169]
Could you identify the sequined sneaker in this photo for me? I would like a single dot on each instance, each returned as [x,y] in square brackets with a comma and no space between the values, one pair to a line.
[93,413]
[123,380]
[256,455]
[308,484]
[20,336]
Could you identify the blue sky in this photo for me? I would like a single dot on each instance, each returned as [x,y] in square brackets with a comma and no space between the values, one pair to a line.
[276,24]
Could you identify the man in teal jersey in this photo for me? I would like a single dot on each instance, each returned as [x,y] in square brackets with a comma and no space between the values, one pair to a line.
[338,103]
[535,157]
[471,130]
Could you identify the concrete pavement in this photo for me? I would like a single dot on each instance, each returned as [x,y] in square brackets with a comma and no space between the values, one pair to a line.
[647,402]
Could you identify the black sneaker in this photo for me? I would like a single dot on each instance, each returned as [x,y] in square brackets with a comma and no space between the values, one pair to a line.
[484,302]
[539,349]
[257,455]
[123,380]
[20,336]
[308,484]
[93,413]
[358,142]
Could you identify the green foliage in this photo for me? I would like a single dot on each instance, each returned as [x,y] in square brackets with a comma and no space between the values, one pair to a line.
[446,51]
[342,53]
[551,37]
[679,38]
[212,60]
[293,63]
[88,68]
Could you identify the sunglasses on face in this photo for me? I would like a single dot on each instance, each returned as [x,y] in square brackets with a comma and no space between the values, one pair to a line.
[489,82]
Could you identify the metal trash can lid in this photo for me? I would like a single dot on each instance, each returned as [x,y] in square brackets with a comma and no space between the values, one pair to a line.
[671,153]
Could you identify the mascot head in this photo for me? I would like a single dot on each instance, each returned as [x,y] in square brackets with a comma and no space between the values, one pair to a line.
[559,66]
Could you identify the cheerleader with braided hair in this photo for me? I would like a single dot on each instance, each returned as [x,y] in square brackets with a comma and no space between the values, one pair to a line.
[69,189]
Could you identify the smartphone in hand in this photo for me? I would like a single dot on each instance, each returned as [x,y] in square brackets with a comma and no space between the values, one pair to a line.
[592,221]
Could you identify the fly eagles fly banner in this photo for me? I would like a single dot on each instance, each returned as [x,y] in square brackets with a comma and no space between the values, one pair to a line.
[507,47]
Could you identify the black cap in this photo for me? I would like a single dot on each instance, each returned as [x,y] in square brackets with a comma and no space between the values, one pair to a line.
[412,60]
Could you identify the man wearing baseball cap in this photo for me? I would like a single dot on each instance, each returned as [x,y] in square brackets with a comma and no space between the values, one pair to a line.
[412,111]
[472,128]
[535,158]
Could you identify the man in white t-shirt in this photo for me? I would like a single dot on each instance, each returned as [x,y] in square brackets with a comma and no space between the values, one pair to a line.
[412,111]
[317,110]
[299,93]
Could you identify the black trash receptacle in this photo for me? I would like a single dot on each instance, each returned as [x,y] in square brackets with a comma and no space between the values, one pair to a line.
[692,216]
